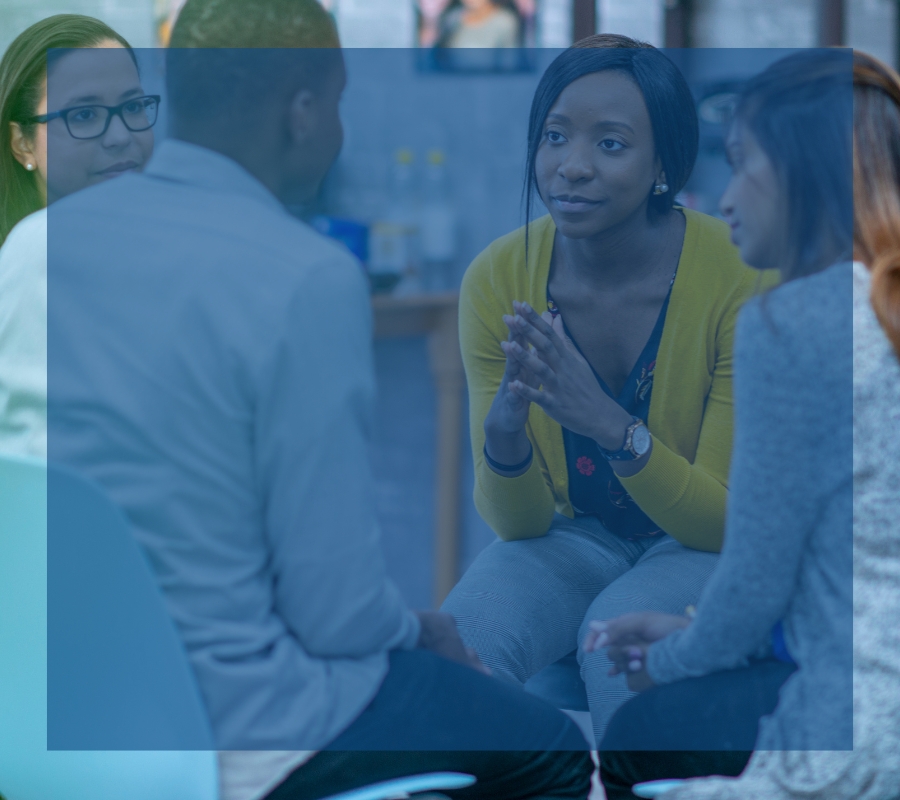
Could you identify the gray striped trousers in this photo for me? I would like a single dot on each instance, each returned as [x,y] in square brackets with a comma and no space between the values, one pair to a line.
[525,604]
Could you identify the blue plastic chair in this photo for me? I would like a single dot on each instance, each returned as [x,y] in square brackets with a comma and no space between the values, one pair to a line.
[28,771]
[414,784]
[115,658]
[653,789]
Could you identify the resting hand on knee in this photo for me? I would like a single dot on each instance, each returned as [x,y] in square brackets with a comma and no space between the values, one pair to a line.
[440,635]
[628,638]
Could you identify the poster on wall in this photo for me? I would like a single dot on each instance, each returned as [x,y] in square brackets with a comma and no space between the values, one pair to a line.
[476,35]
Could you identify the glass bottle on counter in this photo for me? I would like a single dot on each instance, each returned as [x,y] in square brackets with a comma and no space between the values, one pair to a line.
[437,227]
[394,238]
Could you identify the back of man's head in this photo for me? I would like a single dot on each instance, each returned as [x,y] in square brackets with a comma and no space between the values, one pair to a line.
[253,23]
[233,63]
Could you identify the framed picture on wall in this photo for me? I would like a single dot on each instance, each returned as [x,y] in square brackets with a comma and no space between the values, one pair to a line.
[476,35]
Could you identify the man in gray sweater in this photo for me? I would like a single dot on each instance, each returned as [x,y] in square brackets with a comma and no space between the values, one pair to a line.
[211,367]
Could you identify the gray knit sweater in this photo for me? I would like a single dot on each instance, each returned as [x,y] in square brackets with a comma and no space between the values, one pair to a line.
[787,553]
[871,771]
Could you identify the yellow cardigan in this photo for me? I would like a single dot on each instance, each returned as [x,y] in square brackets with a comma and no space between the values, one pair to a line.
[683,486]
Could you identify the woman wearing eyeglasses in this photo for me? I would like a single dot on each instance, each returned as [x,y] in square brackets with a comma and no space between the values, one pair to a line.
[72,113]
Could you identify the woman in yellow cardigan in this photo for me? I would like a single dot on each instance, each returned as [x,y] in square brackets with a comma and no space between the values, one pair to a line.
[597,344]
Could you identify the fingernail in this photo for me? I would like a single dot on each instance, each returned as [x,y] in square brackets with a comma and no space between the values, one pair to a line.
[602,639]
[634,666]
[597,625]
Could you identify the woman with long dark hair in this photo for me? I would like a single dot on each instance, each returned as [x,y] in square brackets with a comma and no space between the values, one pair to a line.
[812,549]
[597,345]
[45,75]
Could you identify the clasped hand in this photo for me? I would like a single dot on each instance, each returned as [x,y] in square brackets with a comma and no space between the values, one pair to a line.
[628,638]
[555,376]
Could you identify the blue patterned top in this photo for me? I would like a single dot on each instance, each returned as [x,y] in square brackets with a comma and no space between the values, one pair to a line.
[594,489]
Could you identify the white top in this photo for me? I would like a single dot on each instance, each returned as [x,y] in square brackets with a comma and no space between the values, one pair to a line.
[23,338]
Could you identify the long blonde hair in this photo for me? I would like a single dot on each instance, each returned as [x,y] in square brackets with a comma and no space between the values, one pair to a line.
[22,72]
[876,185]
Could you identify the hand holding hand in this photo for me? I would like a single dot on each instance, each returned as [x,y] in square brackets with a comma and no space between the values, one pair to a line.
[628,638]
[643,627]
[510,408]
[440,635]
[569,391]
[504,426]
[632,660]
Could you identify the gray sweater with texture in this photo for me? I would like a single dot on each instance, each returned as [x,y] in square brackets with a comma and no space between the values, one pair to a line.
[871,771]
[788,543]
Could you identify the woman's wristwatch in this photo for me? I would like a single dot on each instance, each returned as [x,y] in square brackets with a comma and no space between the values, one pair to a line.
[637,443]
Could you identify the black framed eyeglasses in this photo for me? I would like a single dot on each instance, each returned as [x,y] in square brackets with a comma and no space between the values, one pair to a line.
[91,122]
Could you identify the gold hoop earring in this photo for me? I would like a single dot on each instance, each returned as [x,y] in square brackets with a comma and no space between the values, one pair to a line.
[661,188]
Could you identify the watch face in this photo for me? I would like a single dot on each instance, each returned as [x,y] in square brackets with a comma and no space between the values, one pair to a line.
[640,440]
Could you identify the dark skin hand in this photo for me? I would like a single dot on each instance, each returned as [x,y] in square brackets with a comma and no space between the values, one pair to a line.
[628,638]
[568,392]
[440,635]
[610,270]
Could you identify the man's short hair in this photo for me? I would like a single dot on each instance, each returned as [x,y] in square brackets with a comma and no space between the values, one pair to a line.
[253,23]
[228,59]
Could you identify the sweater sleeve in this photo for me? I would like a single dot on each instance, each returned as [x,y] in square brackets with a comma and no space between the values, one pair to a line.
[515,508]
[687,499]
[777,488]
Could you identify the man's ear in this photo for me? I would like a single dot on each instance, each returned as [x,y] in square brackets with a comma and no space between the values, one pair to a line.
[22,148]
[302,114]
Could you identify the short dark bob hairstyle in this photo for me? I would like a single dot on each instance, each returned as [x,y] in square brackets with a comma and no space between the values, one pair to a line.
[673,113]
[800,110]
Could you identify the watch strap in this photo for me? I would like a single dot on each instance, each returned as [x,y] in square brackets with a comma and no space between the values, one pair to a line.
[626,452]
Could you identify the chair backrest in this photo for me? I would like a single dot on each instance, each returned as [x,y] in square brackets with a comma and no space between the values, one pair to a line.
[125,606]
[117,674]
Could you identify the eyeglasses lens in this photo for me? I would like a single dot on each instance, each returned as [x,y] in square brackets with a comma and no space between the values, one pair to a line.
[89,122]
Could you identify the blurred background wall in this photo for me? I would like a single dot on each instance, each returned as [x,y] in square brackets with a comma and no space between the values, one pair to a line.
[866,24]
[479,122]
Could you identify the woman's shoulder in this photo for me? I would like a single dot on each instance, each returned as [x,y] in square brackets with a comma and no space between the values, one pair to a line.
[807,322]
[28,230]
[501,266]
[874,358]
[802,303]
[25,245]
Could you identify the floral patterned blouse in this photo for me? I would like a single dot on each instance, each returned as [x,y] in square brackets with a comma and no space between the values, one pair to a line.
[594,488]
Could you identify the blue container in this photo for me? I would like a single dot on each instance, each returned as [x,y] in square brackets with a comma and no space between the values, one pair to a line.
[354,235]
